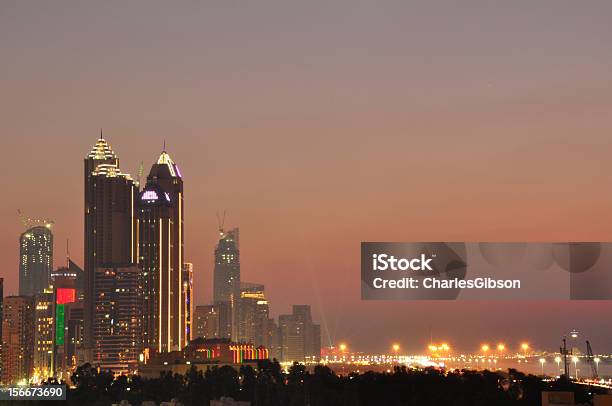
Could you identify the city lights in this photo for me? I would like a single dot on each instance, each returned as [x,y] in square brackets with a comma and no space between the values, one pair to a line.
[542,362]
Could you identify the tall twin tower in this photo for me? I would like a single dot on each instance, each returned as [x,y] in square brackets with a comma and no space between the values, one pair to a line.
[134,230]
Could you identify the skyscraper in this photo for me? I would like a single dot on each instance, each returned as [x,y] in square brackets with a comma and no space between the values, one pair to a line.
[118,318]
[160,256]
[188,300]
[226,277]
[299,338]
[36,258]
[251,314]
[43,334]
[17,339]
[206,322]
[109,221]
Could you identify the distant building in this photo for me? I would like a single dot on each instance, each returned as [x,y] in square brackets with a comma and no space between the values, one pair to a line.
[17,339]
[299,338]
[71,353]
[72,271]
[188,300]
[118,318]
[251,314]
[35,259]
[43,334]
[206,322]
[225,277]
[110,221]
[204,354]
[160,253]
[66,338]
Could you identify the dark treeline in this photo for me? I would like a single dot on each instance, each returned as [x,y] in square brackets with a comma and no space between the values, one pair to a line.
[269,385]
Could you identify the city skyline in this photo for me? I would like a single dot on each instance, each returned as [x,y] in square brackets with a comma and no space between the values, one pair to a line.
[325,138]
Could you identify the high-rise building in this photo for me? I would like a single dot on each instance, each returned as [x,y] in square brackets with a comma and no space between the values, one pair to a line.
[251,314]
[118,318]
[206,322]
[74,272]
[226,277]
[188,300]
[110,232]
[36,258]
[291,339]
[17,339]
[227,265]
[43,334]
[160,256]
[64,296]
[299,338]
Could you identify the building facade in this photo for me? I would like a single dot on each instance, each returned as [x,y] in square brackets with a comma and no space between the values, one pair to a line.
[118,318]
[43,335]
[110,232]
[160,255]
[35,259]
[299,338]
[17,339]
[188,300]
[226,276]
[206,322]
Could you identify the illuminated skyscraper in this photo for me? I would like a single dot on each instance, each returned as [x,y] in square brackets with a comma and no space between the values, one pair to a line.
[43,334]
[206,322]
[36,258]
[250,314]
[17,339]
[160,256]
[118,319]
[299,338]
[226,277]
[109,221]
[188,300]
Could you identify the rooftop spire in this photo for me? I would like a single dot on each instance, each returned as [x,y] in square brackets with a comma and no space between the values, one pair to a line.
[101,134]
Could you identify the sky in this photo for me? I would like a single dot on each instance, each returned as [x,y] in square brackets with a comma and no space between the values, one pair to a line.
[317,125]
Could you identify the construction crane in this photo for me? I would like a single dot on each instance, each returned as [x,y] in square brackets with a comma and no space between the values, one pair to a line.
[591,360]
[221,222]
[30,222]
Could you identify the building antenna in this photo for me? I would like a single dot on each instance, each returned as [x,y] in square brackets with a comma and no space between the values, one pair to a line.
[67,252]
[101,134]
[164,150]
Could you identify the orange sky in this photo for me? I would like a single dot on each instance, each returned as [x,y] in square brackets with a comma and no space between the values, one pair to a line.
[318,126]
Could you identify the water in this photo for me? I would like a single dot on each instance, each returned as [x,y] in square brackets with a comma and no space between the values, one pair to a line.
[533,366]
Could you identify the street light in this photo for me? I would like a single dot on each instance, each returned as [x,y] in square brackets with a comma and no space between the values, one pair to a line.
[525,347]
[558,361]
[342,347]
[485,348]
[542,362]
[575,361]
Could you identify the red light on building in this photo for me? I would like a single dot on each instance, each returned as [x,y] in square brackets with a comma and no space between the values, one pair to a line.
[65,295]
